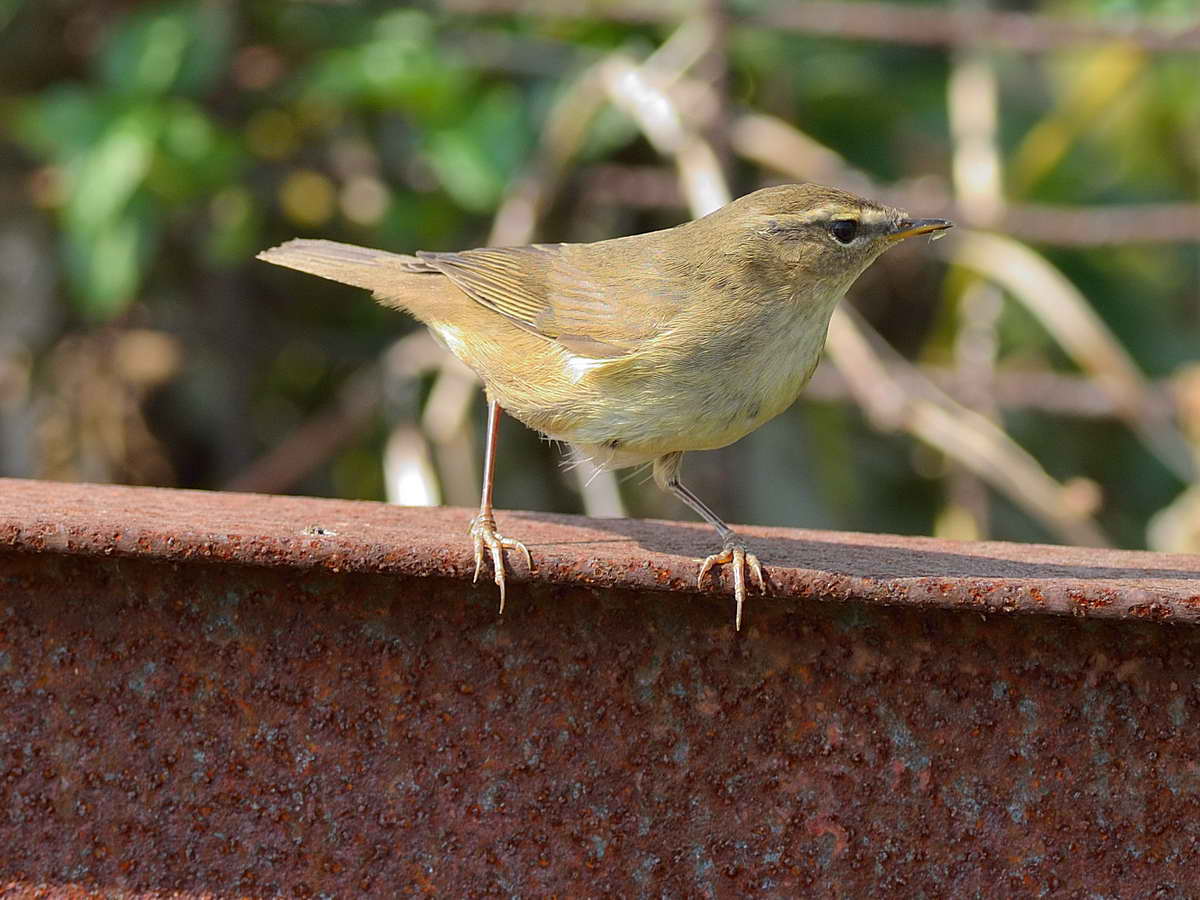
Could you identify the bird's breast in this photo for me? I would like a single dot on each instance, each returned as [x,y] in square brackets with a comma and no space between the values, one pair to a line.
[670,398]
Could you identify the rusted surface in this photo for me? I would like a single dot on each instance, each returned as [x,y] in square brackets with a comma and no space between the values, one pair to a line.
[150,523]
[197,698]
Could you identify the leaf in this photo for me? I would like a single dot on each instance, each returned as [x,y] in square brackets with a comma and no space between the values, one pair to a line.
[173,47]
[106,177]
[477,158]
[194,155]
[105,268]
[145,53]
[63,121]
[400,65]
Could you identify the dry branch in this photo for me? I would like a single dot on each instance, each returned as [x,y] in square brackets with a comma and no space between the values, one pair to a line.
[1074,324]
[891,23]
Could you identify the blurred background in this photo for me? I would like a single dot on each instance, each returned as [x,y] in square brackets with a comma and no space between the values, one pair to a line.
[1035,376]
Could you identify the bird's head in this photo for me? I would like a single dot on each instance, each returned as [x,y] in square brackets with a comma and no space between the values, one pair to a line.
[811,234]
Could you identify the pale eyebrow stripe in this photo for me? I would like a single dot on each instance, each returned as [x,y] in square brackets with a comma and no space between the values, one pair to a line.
[866,215]
[821,214]
[869,219]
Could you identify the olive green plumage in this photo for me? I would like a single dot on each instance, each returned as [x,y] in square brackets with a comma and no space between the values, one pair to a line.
[682,339]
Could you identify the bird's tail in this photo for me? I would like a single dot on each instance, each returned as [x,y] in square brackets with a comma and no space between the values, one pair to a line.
[378,271]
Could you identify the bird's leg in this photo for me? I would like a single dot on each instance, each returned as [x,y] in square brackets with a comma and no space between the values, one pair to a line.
[483,526]
[733,552]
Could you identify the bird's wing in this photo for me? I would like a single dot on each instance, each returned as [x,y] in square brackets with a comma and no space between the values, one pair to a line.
[593,301]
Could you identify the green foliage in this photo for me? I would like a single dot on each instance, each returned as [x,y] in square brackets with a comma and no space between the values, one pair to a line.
[167,142]
[178,48]
[130,146]
[479,155]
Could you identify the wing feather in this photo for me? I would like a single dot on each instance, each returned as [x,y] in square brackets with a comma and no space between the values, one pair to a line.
[596,304]
[510,281]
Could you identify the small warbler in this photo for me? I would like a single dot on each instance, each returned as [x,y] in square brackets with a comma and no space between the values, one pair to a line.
[638,349]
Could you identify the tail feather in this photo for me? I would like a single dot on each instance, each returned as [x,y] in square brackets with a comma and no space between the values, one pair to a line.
[376,270]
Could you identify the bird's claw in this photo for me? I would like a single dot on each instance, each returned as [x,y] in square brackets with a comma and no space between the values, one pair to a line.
[735,554]
[483,533]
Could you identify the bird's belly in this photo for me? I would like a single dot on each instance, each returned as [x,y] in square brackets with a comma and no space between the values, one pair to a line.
[643,415]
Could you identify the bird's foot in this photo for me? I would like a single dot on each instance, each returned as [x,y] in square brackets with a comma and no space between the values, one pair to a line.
[735,554]
[483,533]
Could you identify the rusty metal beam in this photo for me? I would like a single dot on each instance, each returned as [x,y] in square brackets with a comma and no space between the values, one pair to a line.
[622,554]
[235,695]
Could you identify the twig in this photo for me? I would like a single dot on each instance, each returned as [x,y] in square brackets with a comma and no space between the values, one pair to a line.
[317,439]
[1015,390]
[913,403]
[891,23]
[935,26]
[1077,226]
[1067,315]
[566,128]
[641,91]
[408,473]
[972,101]
[446,421]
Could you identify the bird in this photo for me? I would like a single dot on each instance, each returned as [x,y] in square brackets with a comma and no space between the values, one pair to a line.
[638,349]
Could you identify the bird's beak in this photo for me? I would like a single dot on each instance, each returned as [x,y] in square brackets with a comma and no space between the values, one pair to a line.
[906,228]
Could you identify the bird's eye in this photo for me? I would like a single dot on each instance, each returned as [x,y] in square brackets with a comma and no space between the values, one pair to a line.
[843,230]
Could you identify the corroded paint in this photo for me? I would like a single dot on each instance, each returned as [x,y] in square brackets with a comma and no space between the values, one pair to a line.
[257,719]
[257,731]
